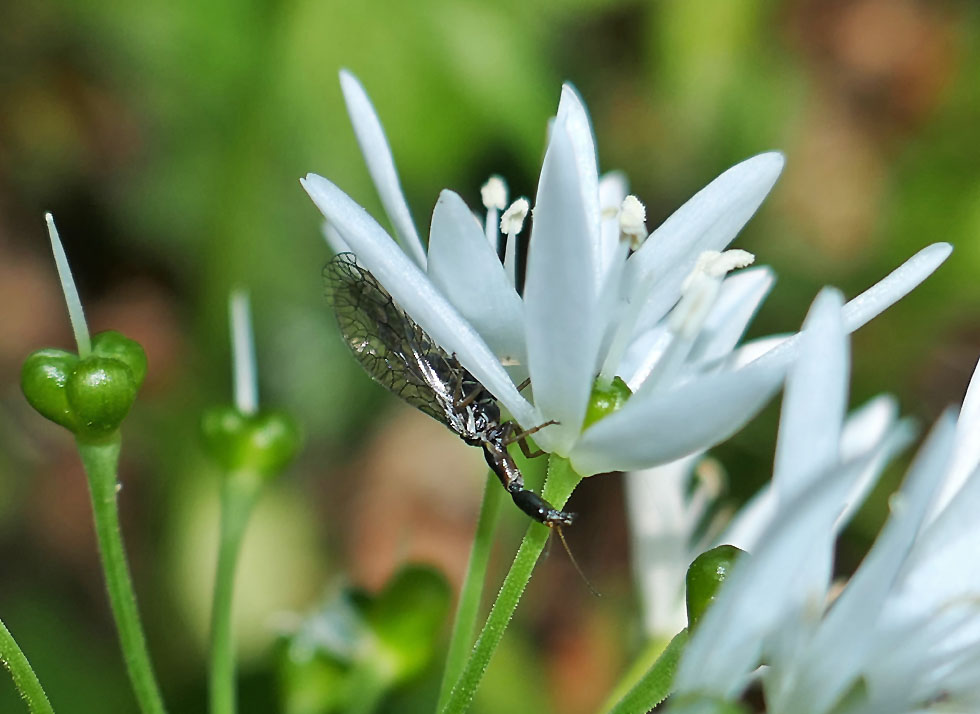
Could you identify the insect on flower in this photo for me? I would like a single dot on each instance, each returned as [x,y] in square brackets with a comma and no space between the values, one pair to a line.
[398,354]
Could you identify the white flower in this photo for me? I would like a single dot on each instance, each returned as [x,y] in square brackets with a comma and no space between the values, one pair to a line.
[589,307]
[904,634]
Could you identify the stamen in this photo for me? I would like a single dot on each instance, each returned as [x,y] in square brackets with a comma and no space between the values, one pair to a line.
[494,196]
[494,193]
[700,289]
[632,222]
[511,223]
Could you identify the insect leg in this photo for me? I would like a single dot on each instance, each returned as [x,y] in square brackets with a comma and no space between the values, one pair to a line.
[523,385]
[521,438]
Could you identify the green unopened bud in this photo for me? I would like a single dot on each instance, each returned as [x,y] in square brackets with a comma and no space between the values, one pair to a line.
[605,400]
[705,577]
[264,442]
[91,396]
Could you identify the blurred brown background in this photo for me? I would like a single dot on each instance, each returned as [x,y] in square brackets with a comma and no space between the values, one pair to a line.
[167,139]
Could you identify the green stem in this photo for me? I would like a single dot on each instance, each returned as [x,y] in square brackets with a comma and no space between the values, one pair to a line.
[100,461]
[562,479]
[23,675]
[655,685]
[238,494]
[470,594]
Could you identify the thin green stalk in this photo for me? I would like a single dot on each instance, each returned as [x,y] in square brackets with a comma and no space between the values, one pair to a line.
[23,675]
[468,608]
[562,479]
[238,494]
[100,461]
[656,684]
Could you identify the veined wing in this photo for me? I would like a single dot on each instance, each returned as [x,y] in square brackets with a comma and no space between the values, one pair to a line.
[389,344]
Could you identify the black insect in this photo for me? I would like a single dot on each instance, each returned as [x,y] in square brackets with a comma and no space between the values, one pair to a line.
[396,352]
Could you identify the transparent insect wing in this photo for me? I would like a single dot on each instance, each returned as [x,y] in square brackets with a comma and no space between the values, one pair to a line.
[390,346]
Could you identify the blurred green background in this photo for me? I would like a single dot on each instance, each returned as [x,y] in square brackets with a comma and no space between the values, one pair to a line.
[167,139]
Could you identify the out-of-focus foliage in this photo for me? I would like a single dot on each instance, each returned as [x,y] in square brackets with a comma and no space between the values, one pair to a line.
[167,138]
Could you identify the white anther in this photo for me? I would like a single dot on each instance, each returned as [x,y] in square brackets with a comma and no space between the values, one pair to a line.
[494,193]
[512,221]
[713,264]
[632,221]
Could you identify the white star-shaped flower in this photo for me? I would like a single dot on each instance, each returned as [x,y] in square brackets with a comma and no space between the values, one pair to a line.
[591,310]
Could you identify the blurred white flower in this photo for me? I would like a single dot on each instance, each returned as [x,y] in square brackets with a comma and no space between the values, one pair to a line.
[904,634]
[589,306]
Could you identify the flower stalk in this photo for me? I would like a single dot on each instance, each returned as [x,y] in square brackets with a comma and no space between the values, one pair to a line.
[471,592]
[239,493]
[101,460]
[561,481]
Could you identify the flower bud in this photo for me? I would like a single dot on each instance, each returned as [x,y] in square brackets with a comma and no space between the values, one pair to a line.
[90,396]
[264,442]
[605,400]
[705,577]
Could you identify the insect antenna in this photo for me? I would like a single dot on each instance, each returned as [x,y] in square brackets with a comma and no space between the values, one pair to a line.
[561,535]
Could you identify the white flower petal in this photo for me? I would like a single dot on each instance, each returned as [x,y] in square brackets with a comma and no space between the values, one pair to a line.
[381,165]
[896,285]
[415,294]
[662,426]
[772,586]
[967,456]
[845,638]
[560,301]
[467,271]
[861,309]
[738,300]
[575,118]
[708,221]
[814,400]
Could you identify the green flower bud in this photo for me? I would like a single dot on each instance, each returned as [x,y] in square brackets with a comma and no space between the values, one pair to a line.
[90,396]
[604,400]
[264,442]
[704,578]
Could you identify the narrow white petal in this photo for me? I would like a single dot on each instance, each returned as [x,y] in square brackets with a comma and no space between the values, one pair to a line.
[967,456]
[560,300]
[814,400]
[573,115]
[708,221]
[765,591]
[381,165]
[896,285]
[860,310]
[738,301]
[467,271]
[846,635]
[413,291]
[334,239]
[666,425]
